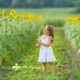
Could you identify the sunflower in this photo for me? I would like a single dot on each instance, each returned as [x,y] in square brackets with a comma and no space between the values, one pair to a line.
[10,16]
[77,19]
[7,17]
[43,27]
[24,15]
[16,16]
[13,12]
[28,17]
[72,19]
[3,11]
[39,17]
[67,19]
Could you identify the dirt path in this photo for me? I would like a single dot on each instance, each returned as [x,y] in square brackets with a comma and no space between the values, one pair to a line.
[69,67]
[67,58]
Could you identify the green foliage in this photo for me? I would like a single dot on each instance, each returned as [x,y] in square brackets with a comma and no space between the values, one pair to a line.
[0,60]
[55,21]
[14,34]
[18,39]
[72,32]
[32,68]
[78,7]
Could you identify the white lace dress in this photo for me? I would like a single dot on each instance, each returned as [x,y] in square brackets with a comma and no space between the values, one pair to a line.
[46,54]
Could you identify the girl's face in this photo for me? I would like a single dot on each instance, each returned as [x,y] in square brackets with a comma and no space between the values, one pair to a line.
[45,30]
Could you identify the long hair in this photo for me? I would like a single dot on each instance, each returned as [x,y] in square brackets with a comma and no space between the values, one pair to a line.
[50,28]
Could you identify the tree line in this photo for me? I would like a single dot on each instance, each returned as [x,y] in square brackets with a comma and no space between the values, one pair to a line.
[37,3]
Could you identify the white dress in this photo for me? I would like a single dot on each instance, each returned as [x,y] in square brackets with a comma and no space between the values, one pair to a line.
[46,53]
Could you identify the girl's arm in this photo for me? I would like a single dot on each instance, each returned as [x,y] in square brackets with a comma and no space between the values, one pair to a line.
[47,44]
[38,44]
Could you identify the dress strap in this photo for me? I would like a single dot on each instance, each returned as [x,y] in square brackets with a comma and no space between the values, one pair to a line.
[44,39]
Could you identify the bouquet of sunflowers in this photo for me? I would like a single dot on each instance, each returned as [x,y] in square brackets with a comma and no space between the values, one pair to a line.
[41,30]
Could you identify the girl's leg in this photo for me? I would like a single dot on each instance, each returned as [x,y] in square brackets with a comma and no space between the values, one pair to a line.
[51,66]
[44,67]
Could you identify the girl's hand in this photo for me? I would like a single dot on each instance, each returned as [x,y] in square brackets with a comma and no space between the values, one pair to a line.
[37,45]
[40,42]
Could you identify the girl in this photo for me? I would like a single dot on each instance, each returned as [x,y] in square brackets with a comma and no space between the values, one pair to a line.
[46,53]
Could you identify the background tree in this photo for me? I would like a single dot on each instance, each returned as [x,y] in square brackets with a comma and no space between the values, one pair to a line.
[78,6]
[37,3]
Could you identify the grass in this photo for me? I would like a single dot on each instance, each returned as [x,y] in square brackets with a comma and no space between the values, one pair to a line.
[31,57]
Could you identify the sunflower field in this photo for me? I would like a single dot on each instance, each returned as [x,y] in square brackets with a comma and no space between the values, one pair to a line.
[20,30]
[72,31]
[15,31]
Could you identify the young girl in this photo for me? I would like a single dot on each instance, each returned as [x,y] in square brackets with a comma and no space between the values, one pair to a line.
[46,53]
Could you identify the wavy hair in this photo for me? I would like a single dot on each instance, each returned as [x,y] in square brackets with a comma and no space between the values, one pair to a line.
[50,29]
